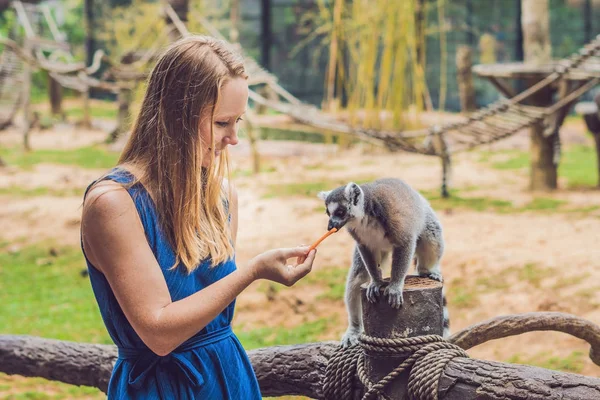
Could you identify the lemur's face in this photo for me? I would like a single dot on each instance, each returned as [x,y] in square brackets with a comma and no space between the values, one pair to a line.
[343,204]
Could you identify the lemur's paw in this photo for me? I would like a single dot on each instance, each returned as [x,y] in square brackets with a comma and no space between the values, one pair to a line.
[436,276]
[373,291]
[350,338]
[394,295]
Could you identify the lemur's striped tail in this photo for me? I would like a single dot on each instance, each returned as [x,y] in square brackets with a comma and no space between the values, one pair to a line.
[446,315]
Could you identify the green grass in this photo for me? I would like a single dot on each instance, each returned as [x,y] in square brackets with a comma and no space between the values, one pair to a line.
[542,203]
[108,111]
[578,164]
[461,296]
[54,299]
[534,274]
[84,157]
[20,192]
[264,337]
[309,189]
[579,167]
[45,295]
[574,362]
[500,206]
[471,203]
[333,278]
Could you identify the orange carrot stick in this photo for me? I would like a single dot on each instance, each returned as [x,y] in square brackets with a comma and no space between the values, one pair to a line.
[329,232]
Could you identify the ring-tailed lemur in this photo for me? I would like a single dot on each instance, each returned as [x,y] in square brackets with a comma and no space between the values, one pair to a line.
[385,217]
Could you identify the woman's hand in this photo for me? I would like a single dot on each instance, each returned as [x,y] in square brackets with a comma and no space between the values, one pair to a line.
[274,266]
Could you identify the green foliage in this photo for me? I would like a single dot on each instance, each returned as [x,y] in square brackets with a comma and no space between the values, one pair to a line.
[84,157]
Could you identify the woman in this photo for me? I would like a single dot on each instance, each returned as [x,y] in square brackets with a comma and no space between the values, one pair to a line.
[159,232]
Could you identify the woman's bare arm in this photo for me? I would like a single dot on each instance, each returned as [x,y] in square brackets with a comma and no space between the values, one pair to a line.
[115,243]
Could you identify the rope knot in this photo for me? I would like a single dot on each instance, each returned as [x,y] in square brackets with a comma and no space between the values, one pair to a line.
[426,358]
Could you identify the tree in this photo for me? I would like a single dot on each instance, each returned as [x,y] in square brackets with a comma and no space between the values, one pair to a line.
[537,51]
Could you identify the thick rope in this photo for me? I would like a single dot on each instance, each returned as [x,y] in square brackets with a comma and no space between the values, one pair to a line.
[427,357]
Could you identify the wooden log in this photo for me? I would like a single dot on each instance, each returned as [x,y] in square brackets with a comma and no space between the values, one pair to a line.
[464,74]
[297,370]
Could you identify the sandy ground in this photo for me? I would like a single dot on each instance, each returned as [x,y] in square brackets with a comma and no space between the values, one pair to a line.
[486,253]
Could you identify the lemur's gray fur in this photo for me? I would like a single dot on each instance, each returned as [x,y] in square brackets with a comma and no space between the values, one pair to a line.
[385,217]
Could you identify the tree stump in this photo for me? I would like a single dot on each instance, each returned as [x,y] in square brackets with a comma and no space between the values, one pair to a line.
[421,314]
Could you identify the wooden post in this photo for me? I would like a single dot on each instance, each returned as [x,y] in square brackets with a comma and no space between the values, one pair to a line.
[55,92]
[421,314]
[26,97]
[124,99]
[87,119]
[466,90]
[253,145]
[536,46]
[333,53]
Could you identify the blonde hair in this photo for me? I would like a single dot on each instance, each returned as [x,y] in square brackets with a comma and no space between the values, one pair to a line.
[165,149]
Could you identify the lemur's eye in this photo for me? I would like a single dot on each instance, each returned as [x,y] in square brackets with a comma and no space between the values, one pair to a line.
[340,213]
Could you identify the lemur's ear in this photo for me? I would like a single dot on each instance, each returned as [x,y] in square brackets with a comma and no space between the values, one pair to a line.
[353,193]
[323,194]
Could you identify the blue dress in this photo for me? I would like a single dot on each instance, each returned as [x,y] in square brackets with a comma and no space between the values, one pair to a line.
[210,365]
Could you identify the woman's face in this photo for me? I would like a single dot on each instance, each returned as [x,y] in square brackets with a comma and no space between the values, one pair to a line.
[233,100]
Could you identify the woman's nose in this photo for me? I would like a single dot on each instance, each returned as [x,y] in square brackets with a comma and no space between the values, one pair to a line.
[231,139]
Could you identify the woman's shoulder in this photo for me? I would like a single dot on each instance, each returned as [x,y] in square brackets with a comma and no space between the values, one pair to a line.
[107,198]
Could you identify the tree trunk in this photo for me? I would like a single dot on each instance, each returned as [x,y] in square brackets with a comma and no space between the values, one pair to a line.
[333,56]
[464,74]
[536,46]
[26,101]
[181,8]
[90,41]
[543,170]
[234,14]
[124,99]
[265,36]
[55,92]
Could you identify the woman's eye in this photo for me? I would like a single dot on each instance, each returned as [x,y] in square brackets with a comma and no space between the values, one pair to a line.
[222,124]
